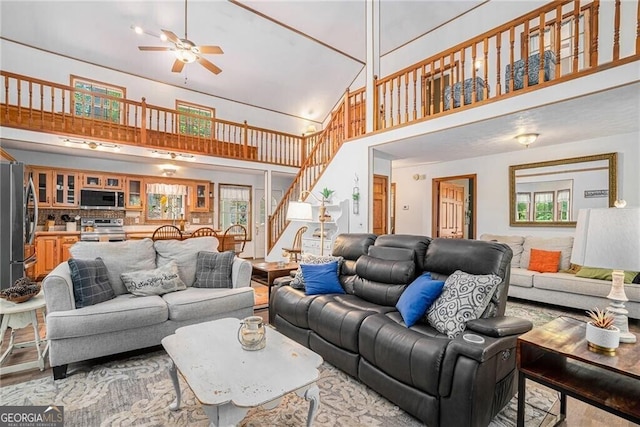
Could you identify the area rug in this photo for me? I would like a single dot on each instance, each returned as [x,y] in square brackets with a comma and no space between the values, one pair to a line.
[260,294]
[136,390]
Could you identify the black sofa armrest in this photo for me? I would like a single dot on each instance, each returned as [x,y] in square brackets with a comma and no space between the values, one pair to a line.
[500,335]
[499,326]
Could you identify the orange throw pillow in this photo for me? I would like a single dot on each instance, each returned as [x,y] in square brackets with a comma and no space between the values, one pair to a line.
[544,261]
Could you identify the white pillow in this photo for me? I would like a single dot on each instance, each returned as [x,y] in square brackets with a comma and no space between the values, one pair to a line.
[154,282]
[514,242]
[185,254]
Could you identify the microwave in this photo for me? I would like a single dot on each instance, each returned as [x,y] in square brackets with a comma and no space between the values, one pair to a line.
[101,199]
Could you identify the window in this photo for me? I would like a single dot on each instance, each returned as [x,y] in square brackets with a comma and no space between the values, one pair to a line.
[103,107]
[166,201]
[235,206]
[523,207]
[563,205]
[543,209]
[568,36]
[189,125]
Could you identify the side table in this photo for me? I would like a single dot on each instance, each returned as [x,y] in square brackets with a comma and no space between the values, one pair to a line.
[16,316]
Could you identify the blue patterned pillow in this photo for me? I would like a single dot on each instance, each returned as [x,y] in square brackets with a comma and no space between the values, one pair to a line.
[464,298]
[90,282]
[213,269]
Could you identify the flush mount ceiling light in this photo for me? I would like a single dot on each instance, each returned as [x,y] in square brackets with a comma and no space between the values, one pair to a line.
[93,145]
[309,130]
[527,138]
[169,171]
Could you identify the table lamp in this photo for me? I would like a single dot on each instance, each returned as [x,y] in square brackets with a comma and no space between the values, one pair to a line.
[301,211]
[610,238]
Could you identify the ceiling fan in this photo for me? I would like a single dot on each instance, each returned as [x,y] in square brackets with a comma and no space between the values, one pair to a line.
[185,50]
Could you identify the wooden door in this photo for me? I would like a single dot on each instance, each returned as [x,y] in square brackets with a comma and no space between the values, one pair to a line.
[48,255]
[451,211]
[380,203]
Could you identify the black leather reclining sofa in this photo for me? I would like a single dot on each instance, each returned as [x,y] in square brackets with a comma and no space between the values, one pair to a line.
[441,381]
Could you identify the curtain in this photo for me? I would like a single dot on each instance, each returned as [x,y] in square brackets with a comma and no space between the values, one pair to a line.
[167,189]
[240,194]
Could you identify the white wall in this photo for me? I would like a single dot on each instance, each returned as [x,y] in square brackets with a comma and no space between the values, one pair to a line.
[493,184]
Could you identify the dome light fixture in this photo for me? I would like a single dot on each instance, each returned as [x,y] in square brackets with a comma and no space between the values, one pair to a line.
[527,138]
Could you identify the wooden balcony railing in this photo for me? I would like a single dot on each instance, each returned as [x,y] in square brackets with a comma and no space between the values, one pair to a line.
[38,105]
[578,37]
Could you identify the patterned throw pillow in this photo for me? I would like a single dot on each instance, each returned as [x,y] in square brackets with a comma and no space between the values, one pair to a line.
[298,280]
[464,298]
[159,281]
[213,269]
[90,282]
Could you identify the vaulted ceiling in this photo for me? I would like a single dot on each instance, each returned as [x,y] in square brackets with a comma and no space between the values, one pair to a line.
[294,57]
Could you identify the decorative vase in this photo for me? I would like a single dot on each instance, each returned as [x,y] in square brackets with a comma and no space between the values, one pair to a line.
[603,340]
[252,334]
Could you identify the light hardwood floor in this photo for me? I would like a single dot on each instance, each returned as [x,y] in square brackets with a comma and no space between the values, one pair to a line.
[579,414]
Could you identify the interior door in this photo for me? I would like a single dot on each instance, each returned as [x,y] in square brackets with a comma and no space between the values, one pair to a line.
[380,203]
[451,211]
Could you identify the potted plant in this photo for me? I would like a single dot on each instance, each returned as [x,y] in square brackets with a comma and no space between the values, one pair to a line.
[326,194]
[602,336]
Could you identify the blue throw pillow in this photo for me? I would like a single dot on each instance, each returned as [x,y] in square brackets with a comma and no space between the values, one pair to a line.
[418,297]
[321,278]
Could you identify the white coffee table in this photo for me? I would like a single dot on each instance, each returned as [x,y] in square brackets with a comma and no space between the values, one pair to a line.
[228,381]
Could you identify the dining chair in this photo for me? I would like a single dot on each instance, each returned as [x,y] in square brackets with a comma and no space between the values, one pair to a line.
[204,231]
[235,238]
[167,232]
[296,248]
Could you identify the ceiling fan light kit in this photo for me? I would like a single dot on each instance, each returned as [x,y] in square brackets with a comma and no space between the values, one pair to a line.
[185,50]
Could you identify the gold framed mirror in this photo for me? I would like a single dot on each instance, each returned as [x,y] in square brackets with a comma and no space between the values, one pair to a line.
[550,194]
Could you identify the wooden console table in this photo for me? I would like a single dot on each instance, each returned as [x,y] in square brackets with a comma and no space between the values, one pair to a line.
[556,355]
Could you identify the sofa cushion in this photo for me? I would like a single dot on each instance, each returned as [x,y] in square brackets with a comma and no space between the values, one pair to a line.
[515,243]
[335,322]
[184,253]
[298,279]
[418,297]
[154,282]
[90,282]
[213,269]
[544,261]
[570,284]
[522,277]
[203,303]
[465,296]
[123,312]
[118,257]
[418,245]
[405,354]
[562,244]
[392,254]
[292,305]
[385,270]
[321,278]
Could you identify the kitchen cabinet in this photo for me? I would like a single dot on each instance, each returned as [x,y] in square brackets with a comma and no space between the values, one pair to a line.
[42,181]
[65,189]
[47,251]
[65,243]
[336,223]
[133,193]
[199,197]
[102,181]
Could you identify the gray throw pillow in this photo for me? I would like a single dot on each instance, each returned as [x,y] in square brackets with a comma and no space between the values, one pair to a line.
[213,269]
[298,280]
[464,298]
[90,282]
[158,281]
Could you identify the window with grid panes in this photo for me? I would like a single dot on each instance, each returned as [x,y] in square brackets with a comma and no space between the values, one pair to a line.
[235,206]
[563,204]
[102,101]
[201,125]
[543,206]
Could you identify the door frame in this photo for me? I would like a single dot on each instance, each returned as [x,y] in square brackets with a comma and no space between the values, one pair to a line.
[472,206]
[385,203]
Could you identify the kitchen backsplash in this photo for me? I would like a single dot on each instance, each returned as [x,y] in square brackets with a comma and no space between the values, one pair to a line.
[204,218]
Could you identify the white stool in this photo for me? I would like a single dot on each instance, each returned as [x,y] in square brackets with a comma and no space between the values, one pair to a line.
[16,316]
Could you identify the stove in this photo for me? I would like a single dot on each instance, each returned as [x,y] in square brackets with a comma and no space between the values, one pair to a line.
[102,230]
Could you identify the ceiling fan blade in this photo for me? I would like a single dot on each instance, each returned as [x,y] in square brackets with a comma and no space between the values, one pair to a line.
[154,48]
[209,65]
[210,49]
[177,66]
[171,36]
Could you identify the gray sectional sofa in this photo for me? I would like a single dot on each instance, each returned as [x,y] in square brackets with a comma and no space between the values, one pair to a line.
[562,288]
[128,322]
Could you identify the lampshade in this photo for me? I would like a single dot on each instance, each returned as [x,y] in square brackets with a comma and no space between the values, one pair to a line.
[299,211]
[608,238]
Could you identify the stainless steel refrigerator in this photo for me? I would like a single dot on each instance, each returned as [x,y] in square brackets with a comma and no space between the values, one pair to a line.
[18,219]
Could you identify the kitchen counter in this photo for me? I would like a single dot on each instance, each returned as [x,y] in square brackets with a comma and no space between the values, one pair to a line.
[57,233]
